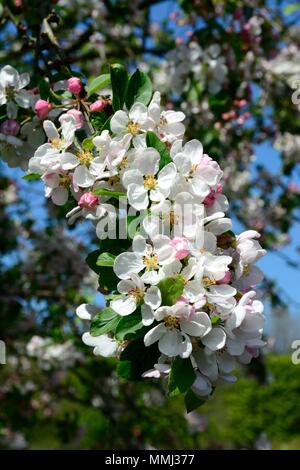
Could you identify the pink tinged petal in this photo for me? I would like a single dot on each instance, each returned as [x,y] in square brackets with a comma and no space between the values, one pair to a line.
[124,305]
[215,339]
[82,177]
[68,161]
[59,196]
[154,334]
[126,263]
[147,315]
[50,130]
[138,196]
[51,180]
[86,311]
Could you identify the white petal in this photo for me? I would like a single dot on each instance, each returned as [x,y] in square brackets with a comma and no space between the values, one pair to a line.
[154,334]
[68,161]
[125,263]
[137,196]
[215,339]
[147,315]
[59,196]
[119,122]
[153,297]
[83,177]
[50,130]
[86,311]
[123,305]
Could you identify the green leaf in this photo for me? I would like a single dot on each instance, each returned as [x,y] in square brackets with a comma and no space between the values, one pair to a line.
[215,320]
[119,82]
[128,324]
[291,8]
[31,177]
[106,259]
[98,83]
[136,359]
[107,192]
[104,322]
[139,89]
[155,142]
[192,401]
[182,376]
[171,289]
[88,144]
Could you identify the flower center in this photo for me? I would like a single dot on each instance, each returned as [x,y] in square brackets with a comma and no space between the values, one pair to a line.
[56,143]
[246,270]
[149,182]
[151,262]
[133,128]
[124,163]
[136,293]
[171,321]
[10,92]
[85,157]
[162,122]
[208,281]
[112,180]
[64,181]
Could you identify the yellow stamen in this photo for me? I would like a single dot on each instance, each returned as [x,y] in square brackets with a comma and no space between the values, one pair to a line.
[85,157]
[171,321]
[207,281]
[136,293]
[133,128]
[151,262]
[150,182]
[64,181]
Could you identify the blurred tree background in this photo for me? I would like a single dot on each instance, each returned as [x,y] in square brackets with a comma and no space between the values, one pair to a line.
[232,67]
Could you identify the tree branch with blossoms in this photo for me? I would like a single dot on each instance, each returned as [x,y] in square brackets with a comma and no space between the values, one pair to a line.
[178,283]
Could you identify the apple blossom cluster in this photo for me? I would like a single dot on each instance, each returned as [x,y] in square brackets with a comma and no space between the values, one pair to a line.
[179,288]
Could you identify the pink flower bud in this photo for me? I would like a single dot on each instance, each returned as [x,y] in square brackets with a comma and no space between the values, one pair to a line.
[10,127]
[88,200]
[226,279]
[98,106]
[210,198]
[74,85]
[181,247]
[78,117]
[42,108]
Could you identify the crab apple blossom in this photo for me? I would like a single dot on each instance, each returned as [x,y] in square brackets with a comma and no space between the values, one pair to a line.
[12,91]
[180,283]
